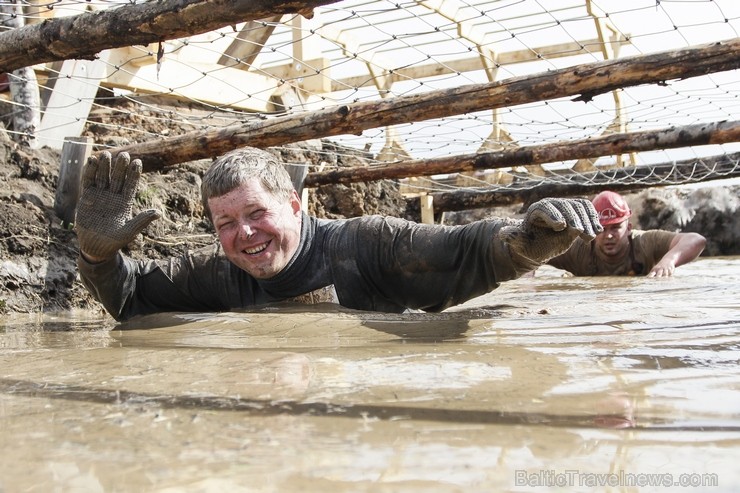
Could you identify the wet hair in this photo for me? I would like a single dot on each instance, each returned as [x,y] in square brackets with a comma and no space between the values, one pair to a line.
[237,167]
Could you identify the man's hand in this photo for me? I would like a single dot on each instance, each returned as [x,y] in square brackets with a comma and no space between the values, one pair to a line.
[664,268]
[549,228]
[103,221]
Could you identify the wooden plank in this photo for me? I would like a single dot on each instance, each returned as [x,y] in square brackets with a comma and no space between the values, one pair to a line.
[471,63]
[227,87]
[68,106]
[427,209]
[380,67]
[75,152]
[36,11]
[310,75]
[133,56]
[249,42]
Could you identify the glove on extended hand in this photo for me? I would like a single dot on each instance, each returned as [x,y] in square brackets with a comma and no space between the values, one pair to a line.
[103,221]
[549,228]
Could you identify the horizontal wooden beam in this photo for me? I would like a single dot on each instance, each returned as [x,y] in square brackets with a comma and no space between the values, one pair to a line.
[83,36]
[472,62]
[313,74]
[622,143]
[584,81]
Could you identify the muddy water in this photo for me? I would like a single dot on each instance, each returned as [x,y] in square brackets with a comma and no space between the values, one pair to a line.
[546,384]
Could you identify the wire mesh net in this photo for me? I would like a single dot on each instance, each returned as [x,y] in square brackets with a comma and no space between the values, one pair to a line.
[357,51]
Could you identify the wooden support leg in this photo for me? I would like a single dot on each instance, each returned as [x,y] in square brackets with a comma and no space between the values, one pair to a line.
[427,209]
[70,101]
[75,152]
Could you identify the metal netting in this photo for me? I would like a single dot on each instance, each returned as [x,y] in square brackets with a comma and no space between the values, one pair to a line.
[358,51]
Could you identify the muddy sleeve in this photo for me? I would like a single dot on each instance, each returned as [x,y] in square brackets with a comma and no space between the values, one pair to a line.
[113,283]
[197,281]
[388,264]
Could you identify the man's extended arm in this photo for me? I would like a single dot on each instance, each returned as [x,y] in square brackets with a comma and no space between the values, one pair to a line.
[104,226]
[684,248]
[549,228]
[201,280]
[390,264]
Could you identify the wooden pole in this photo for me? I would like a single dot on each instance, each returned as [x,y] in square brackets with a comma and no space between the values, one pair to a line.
[586,184]
[24,88]
[75,152]
[427,209]
[83,36]
[690,135]
[584,81]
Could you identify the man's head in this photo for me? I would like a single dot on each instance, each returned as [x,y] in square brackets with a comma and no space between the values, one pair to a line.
[256,212]
[237,167]
[614,214]
[611,208]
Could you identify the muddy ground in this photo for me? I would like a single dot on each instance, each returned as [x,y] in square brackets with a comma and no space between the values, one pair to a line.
[38,254]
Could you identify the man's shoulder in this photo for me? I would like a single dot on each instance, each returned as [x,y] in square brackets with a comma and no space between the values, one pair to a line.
[652,234]
[652,242]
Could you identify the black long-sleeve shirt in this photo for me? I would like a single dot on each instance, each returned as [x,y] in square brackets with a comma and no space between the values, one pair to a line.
[375,263]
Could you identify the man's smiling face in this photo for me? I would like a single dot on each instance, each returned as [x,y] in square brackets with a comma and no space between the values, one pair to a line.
[258,232]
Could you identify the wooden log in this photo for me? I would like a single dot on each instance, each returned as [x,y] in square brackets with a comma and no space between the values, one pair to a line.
[75,152]
[586,184]
[84,35]
[648,140]
[585,81]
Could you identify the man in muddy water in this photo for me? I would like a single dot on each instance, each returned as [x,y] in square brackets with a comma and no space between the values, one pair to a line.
[269,250]
[621,250]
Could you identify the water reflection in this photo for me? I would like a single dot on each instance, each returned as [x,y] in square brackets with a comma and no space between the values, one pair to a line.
[545,374]
[613,411]
[74,329]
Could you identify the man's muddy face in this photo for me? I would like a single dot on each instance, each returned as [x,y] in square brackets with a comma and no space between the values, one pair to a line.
[258,232]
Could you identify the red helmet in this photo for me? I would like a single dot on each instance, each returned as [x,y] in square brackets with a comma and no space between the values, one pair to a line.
[611,207]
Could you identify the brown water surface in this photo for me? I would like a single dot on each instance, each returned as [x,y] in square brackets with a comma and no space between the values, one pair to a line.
[546,384]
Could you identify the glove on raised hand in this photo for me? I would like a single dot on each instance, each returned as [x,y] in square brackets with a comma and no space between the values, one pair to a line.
[548,229]
[103,222]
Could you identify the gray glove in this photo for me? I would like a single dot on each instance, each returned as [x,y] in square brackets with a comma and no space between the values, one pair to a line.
[548,229]
[103,221]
